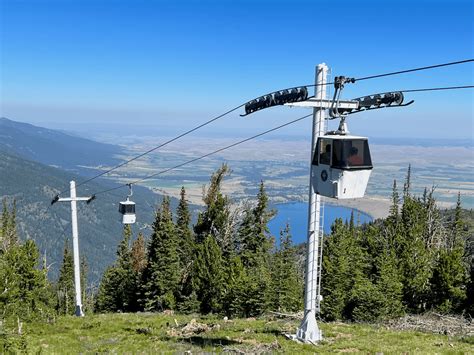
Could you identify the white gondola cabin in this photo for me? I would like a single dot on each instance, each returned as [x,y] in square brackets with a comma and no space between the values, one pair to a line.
[341,166]
[127,212]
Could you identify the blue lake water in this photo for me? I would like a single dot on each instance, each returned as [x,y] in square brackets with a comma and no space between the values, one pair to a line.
[296,214]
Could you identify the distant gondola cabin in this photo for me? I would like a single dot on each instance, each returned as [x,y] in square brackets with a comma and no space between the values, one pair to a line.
[341,166]
[127,212]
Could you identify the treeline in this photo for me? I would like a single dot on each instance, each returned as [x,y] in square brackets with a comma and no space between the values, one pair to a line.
[26,294]
[228,263]
[413,261]
[25,291]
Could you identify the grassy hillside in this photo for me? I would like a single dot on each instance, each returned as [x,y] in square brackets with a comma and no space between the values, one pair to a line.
[152,333]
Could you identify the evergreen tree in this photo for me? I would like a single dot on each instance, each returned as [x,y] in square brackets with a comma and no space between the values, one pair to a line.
[388,282]
[184,233]
[456,239]
[449,281]
[161,273]
[342,269]
[235,299]
[287,284]
[407,185]
[450,276]
[415,257]
[254,238]
[255,244]
[186,294]
[107,300]
[138,254]
[393,214]
[215,219]
[65,286]
[383,272]
[26,290]
[335,273]
[117,291]
[209,276]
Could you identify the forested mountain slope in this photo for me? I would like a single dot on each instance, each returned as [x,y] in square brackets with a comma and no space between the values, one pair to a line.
[56,148]
[33,185]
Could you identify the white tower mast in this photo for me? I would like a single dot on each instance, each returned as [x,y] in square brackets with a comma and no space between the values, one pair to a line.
[75,243]
[309,330]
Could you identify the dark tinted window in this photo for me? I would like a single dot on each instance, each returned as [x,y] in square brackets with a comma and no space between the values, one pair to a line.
[325,151]
[126,209]
[351,153]
[130,208]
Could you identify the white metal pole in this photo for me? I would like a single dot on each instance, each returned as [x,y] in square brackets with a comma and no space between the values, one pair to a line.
[75,246]
[309,330]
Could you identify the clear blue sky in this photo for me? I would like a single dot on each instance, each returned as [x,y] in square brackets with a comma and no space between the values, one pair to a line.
[178,63]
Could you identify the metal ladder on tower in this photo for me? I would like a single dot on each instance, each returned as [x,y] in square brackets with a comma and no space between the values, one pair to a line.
[319,259]
[320,241]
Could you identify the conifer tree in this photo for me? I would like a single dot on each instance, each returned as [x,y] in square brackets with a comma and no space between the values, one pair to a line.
[236,281]
[26,289]
[65,286]
[209,274]
[215,219]
[186,294]
[255,244]
[255,241]
[383,272]
[117,291]
[161,273]
[393,214]
[184,233]
[346,285]
[407,184]
[450,276]
[138,255]
[287,284]
[336,272]
[107,300]
[456,239]
[415,258]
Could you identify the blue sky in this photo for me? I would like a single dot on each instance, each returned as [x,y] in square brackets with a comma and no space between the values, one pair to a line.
[173,64]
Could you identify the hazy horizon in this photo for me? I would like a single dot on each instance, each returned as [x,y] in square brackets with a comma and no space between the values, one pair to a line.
[78,63]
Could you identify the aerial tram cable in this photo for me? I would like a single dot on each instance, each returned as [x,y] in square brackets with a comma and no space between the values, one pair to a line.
[157,147]
[203,156]
[415,69]
[298,91]
[258,135]
[439,89]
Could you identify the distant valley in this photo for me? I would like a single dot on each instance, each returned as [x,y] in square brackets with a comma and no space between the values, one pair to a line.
[33,184]
[37,163]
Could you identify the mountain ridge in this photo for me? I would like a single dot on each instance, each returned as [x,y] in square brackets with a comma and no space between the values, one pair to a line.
[26,179]
[56,148]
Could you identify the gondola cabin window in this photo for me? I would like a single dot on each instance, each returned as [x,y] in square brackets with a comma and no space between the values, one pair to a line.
[127,208]
[351,154]
[325,149]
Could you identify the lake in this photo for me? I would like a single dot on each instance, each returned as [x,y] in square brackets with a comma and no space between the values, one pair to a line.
[296,214]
